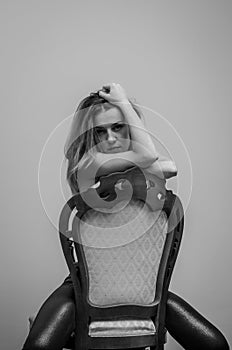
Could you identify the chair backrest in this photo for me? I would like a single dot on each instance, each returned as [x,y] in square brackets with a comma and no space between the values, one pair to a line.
[121,252]
[125,247]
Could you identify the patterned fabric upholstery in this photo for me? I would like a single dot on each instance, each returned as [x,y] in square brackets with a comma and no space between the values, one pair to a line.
[121,328]
[123,251]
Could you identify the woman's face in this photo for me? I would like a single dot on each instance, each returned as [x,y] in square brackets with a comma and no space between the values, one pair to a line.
[111,132]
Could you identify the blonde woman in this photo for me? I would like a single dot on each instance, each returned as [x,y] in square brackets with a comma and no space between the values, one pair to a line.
[107,135]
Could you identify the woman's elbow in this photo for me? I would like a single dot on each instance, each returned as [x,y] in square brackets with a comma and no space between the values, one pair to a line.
[173,167]
[148,160]
[169,169]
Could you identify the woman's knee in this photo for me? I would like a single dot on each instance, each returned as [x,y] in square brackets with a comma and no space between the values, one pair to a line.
[37,344]
[190,328]
[52,326]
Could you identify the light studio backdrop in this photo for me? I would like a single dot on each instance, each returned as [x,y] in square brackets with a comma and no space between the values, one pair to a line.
[175,58]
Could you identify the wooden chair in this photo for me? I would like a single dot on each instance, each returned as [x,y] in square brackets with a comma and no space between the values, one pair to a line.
[120,242]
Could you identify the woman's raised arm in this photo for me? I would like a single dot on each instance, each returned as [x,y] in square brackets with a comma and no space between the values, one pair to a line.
[142,143]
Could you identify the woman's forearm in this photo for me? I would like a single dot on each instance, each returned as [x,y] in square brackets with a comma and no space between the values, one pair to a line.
[142,144]
[141,140]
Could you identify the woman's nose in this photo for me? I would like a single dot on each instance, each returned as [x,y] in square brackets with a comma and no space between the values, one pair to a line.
[111,137]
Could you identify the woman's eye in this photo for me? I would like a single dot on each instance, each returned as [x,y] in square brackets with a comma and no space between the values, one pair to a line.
[118,127]
[99,131]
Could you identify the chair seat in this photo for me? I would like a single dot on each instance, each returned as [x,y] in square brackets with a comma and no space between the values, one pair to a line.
[121,328]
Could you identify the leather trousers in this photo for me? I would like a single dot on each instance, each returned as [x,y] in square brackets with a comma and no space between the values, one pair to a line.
[55,321]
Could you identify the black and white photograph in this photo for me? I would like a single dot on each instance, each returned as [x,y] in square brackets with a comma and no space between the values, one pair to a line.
[116,148]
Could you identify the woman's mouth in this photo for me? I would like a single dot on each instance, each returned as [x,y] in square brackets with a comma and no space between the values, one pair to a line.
[113,148]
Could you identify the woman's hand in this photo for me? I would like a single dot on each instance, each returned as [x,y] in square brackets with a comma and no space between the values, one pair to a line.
[113,93]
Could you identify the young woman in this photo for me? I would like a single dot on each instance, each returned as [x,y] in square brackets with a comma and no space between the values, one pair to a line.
[108,134]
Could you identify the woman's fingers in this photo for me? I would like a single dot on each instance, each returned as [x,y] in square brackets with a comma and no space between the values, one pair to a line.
[103,94]
[113,93]
[106,88]
[110,86]
[107,91]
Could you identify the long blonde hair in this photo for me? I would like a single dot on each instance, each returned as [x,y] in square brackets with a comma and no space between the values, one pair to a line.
[82,138]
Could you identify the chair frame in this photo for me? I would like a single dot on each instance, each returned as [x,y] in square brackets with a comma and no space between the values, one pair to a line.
[157,197]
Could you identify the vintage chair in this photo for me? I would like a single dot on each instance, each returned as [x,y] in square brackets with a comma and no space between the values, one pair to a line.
[121,241]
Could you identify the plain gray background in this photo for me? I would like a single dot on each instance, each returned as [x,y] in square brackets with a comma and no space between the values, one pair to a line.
[175,58]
